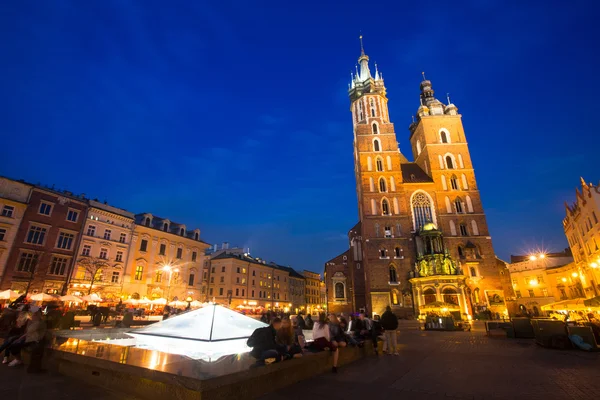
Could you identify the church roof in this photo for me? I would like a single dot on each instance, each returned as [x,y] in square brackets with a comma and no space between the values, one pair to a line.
[412,173]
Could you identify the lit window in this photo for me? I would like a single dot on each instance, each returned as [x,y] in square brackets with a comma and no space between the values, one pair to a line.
[382,185]
[158,276]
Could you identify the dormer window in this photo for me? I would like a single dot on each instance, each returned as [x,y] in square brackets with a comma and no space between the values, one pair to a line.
[196,236]
[147,222]
[182,232]
[166,227]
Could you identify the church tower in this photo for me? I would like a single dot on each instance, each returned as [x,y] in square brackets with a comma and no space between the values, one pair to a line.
[423,234]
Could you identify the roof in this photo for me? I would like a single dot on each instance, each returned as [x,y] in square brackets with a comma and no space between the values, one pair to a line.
[174,227]
[289,270]
[412,173]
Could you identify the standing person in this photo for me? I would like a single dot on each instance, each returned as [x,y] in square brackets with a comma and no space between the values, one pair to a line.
[322,339]
[264,344]
[34,333]
[377,333]
[17,330]
[308,322]
[389,322]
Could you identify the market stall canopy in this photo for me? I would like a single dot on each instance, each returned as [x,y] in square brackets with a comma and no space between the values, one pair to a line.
[566,305]
[196,304]
[438,305]
[92,298]
[43,297]
[593,302]
[178,303]
[131,301]
[145,300]
[159,302]
[8,294]
[71,298]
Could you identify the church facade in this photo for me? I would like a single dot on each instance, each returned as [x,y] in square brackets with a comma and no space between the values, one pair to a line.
[422,239]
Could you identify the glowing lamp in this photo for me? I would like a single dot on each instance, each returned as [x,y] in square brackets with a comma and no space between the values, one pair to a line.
[532,258]
[574,274]
[189,299]
[542,256]
[594,265]
[533,282]
[564,279]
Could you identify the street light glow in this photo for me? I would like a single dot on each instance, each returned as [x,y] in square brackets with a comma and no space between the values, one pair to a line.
[574,274]
[532,258]
[542,256]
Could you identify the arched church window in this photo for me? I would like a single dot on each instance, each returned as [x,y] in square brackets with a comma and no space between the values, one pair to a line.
[385,207]
[376,145]
[360,111]
[463,230]
[397,252]
[339,290]
[393,275]
[458,205]
[422,213]
[382,185]
[449,162]
[450,296]
[379,163]
[375,130]
[474,228]
[429,296]
[454,183]
[444,137]
[460,252]
[418,147]
[382,253]
[473,271]
[372,108]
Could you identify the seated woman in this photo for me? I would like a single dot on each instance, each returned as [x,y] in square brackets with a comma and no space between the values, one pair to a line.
[286,339]
[298,333]
[344,327]
[322,339]
[336,333]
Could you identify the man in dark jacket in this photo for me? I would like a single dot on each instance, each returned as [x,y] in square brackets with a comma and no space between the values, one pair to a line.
[262,341]
[389,322]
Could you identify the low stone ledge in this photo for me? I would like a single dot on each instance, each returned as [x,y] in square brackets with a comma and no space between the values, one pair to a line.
[152,384]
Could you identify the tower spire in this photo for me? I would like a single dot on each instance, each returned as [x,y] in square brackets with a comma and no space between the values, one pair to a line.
[448,97]
[362,49]
[363,60]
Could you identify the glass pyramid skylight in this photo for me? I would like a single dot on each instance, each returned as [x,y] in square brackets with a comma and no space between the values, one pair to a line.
[207,333]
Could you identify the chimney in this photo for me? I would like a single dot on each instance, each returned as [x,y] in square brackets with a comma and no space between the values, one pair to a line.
[225,245]
[216,247]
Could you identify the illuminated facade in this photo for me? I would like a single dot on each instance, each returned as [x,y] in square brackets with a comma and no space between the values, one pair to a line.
[423,235]
[102,251]
[312,292]
[165,260]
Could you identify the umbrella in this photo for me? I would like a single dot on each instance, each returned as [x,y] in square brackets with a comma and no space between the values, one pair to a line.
[145,300]
[131,301]
[196,304]
[43,297]
[71,298]
[159,302]
[178,303]
[8,294]
[92,298]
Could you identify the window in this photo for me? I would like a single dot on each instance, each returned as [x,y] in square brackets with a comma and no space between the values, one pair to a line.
[372,108]
[36,235]
[243,292]
[387,232]
[212,270]
[27,262]
[144,245]
[531,294]
[115,277]
[222,279]
[166,227]
[212,279]
[385,207]
[194,256]
[58,266]
[460,252]
[422,212]
[443,137]
[2,234]
[147,222]
[397,252]
[162,250]
[91,230]
[393,276]
[119,256]
[182,232]
[158,276]
[458,205]
[253,273]
[418,148]
[179,253]
[382,185]
[454,183]
[107,233]
[449,162]
[210,291]
[253,293]
[86,250]
[223,268]
[45,209]
[379,164]
[518,294]
[191,279]
[123,238]
[473,271]
[545,292]
[382,253]
[375,130]
[463,230]
[220,291]
[376,145]
[595,218]
[8,211]
[72,215]
[103,253]
[139,273]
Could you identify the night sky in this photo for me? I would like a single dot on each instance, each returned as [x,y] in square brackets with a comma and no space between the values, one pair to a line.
[234,117]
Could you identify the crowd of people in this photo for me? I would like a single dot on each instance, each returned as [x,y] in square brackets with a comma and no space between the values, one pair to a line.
[22,327]
[284,338]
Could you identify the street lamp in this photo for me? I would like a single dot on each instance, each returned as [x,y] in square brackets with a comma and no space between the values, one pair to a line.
[168,268]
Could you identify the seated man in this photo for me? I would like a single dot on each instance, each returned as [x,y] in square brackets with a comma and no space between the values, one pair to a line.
[264,345]
[34,333]
[361,328]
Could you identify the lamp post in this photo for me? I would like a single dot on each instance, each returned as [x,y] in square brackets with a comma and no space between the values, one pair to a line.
[168,268]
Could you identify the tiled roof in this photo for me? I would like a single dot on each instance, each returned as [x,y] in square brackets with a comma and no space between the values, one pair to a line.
[412,173]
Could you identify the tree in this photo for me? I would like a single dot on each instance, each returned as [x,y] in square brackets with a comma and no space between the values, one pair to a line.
[93,267]
[32,267]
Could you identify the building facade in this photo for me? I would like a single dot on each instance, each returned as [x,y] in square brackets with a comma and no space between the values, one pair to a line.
[423,232]
[312,292]
[102,252]
[583,234]
[13,203]
[165,260]
[44,247]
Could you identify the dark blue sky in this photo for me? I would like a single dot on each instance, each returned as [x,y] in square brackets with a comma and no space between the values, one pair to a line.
[234,116]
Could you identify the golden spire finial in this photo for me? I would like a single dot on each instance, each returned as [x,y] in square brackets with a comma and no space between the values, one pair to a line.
[362,49]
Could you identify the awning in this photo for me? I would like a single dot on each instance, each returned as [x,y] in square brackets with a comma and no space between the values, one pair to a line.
[593,302]
[566,305]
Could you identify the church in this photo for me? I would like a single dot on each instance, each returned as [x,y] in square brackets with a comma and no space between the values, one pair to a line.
[422,239]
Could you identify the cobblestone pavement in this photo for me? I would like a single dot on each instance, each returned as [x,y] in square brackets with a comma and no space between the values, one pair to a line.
[459,365]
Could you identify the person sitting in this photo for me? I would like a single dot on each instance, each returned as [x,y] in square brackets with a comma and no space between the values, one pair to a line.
[34,333]
[286,339]
[322,339]
[17,330]
[308,322]
[361,328]
[264,345]
[336,333]
[300,321]
[347,335]
[298,332]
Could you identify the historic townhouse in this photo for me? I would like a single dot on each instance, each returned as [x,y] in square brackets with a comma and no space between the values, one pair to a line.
[44,247]
[165,260]
[423,235]
[102,251]
[13,203]
[312,291]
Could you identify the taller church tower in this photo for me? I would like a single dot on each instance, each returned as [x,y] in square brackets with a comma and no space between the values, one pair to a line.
[423,234]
